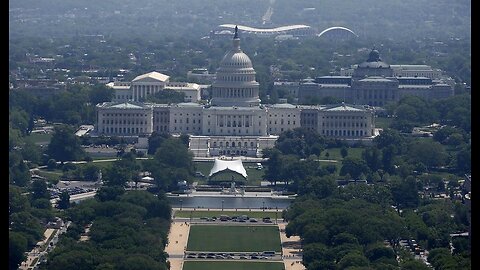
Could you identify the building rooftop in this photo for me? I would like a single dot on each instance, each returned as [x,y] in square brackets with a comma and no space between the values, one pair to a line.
[376,79]
[152,75]
[283,106]
[344,107]
[123,105]
[412,67]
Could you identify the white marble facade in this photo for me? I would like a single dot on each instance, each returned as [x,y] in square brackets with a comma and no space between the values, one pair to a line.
[234,122]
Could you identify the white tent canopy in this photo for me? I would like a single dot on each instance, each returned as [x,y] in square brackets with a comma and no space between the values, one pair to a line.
[235,165]
[147,178]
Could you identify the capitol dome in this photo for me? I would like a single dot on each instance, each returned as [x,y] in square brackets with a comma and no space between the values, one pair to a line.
[374,66]
[235,83]
[374,61]
[236,59]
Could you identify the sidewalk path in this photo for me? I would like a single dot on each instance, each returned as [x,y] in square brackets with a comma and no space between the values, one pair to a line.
[177,244]
[291,249]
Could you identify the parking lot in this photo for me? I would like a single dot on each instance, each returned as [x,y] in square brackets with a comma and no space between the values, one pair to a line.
[239,219]
[72,187]
[234,256]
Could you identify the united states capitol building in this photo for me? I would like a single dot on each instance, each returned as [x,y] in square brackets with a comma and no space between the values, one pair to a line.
[234,122]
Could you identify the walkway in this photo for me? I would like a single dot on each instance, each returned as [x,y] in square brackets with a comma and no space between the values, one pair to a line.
[291,249]
[177,244]
[39,252]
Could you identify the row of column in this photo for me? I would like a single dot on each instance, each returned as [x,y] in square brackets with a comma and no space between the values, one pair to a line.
[238,121]
[234,92]
[141,91]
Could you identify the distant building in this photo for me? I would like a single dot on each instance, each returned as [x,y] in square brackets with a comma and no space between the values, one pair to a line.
[201,75]
[292,30]
[377,83]
[234,122]
[151,83]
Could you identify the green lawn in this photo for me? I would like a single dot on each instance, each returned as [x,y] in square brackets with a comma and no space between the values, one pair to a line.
[335,153]
[196,265]
[219,238]
[51,175]
[254,175]
[101,165]
[39,138]
[256,214]
[383,122]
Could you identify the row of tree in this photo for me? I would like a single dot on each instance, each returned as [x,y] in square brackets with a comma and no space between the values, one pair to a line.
[128,231]
[413,111]
[355,228]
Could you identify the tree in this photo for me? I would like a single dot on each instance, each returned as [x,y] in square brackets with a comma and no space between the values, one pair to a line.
[427,152]
[51,164]
[14,138]
[372,157]
[405,192]
[64,200]
[108,193]
[16,201]
[123,170]
[389,137]
[344,152]
[20,174]
[73,259]
[354,166]
[414,265]
[174,153]
[155,140]
[19,119]
[139,262]
[90,172]
[64,145]
[353,259]
[379,250]
[274,164]
[443,133]
[39,190]
[173,162]
[32,152]
[17,246]
[28,225]
[316,252]
[464,160]
[321,187]
[101,93]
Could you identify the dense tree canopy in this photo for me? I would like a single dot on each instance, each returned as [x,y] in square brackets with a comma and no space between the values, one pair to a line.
[129,231]
[64,145]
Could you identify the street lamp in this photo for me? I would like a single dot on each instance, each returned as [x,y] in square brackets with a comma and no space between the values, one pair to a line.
[263,206]
[181,203]
[222,204]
